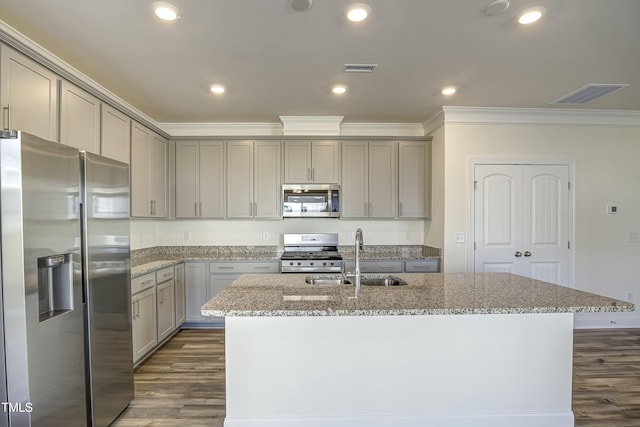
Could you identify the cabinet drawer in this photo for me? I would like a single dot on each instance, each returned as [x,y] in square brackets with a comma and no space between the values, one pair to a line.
[143,282]
[423,266]
[243,267]
[164,275]
[375,266]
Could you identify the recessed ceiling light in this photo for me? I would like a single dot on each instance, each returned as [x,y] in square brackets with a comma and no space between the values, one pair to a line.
[301,5]
[358,12]
[166,11]
[449,90]
[218,89]
[531,15]
[339,90]
[496,7]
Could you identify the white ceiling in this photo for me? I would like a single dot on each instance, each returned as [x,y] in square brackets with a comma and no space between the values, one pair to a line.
[278,61]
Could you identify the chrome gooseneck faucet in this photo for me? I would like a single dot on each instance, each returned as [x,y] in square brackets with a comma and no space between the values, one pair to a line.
[357,274]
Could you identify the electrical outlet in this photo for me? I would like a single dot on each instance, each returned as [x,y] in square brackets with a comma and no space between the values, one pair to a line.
[459,237]
[351,235]
[187,235]
[634,237]
[407,235]
[265,235]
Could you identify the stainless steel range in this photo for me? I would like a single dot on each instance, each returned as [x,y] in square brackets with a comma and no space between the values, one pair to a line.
[311,253]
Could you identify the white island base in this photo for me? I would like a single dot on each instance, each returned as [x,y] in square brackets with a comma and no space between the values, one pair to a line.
[498,370]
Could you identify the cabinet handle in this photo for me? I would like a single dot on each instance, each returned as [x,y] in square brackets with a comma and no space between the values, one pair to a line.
[161,294]
[150,207]
[308,174]
[200,206]
[137,309]
[400,209]
[133,310]
[527,253]
[195,209]
[313,174]
[7,123]
[518,254]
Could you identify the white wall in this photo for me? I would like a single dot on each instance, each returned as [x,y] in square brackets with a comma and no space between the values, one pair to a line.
[606,171]
[147,233]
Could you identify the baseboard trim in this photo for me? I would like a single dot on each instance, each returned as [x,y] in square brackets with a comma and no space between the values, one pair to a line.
[446,420]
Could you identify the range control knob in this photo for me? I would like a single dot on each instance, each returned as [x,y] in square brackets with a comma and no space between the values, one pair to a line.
[290,262]
[324,263]
[311,263]
[299,263]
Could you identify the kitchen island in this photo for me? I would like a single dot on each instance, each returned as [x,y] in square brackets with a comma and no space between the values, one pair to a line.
[491,349]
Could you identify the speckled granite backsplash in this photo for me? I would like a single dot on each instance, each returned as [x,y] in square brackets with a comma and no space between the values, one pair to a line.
[159,253]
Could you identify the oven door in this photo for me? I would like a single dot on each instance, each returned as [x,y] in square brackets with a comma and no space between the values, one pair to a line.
[310,201]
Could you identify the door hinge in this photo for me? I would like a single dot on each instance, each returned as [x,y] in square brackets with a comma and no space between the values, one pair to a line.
[569,185]
[569,244]
[475,185]
[474,246]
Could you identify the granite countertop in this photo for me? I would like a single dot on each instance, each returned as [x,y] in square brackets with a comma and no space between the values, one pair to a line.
[425,294]
[146,261]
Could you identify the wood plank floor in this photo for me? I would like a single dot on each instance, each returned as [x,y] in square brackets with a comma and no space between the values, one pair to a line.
[182,384]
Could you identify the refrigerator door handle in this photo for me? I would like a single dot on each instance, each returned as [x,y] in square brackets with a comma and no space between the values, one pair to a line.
[83,243]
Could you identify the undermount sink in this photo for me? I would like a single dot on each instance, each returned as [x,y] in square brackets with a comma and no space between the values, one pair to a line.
[385,281]
[326,281]
[365,281]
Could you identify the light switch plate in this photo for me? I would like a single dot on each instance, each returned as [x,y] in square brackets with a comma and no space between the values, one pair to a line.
[459,237]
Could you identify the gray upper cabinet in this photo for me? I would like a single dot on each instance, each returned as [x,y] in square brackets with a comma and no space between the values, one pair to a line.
[414,179]
[28,95]
[148,173]
[116,134]
[369,179]
[200,179]
[312,162]
[79,118]
[253,179]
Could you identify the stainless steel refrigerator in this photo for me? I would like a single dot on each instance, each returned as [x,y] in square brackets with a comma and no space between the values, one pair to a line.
[65,301]
[107,282]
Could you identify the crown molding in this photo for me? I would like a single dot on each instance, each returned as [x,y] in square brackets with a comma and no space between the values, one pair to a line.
[547,116]
[222,129]
[311,125]
[432,123]
[381,129]
[18,41]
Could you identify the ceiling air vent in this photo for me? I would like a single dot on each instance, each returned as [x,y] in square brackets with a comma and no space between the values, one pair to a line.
[589,93]
[359,68]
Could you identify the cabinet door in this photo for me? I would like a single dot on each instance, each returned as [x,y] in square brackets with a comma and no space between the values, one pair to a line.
[267,186]
[355,188]
[28,95]
[196,290]
[325,158]
[414,180]
[211,179]
[166,309]
[383,183]
[187,203]
[180,295]
[144,323]
[79,119]
[240,179]
[116,134]
[297,162]
[140,146]
[158,175]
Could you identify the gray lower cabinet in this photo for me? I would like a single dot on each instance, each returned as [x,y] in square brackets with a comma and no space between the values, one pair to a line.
[165,298]
[180,295]
[370,266]
[204,280]
[430,265]
[143,313]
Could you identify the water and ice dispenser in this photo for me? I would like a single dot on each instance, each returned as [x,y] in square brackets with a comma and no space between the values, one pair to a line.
[55,285]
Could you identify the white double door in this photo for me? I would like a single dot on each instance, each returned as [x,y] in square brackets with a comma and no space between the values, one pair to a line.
[522,220]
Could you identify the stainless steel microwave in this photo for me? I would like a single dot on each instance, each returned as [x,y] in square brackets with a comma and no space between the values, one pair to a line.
[311,200]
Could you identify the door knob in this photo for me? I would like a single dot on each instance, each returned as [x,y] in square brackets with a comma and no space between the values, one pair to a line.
[527,253]
[518,254]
